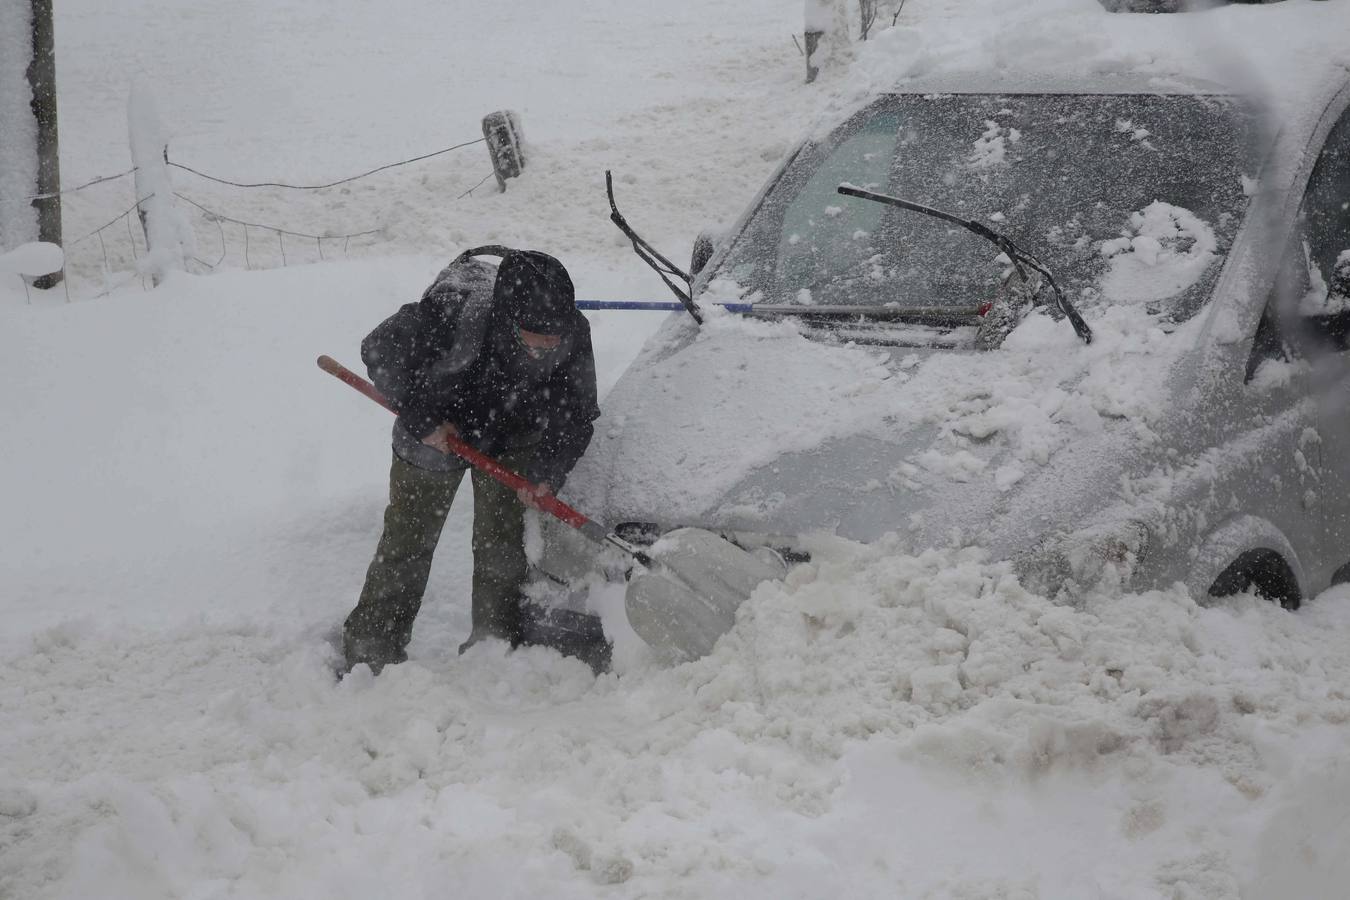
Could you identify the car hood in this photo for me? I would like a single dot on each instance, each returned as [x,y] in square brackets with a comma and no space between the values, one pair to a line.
[750,425]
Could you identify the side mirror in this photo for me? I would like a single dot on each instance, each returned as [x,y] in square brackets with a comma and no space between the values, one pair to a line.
[704,247]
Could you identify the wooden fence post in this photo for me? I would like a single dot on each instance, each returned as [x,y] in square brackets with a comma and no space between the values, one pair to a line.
[30,205]
[42,80]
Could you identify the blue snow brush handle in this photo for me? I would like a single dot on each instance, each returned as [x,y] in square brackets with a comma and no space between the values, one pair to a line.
[941,316]
[655,305]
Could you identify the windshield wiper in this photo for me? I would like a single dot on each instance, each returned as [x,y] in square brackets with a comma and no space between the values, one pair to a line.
[1016,255]
[652,257]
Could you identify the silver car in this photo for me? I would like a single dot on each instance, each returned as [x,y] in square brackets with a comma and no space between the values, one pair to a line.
[912,367]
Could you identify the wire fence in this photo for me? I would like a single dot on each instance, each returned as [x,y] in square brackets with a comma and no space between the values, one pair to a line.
[320,187]
[248,235]
[88,184]
[220,218]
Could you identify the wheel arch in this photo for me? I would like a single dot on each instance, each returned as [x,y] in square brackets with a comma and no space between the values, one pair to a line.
[1251,544]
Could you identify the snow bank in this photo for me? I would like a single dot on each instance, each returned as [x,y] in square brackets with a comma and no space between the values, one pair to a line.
[690,117]
[878,725]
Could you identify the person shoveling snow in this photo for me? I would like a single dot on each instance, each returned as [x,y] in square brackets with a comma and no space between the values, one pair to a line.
[499,360]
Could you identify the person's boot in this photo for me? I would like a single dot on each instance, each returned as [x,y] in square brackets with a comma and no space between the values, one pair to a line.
[503,621]
[474,638]
[482,634]
[374,652]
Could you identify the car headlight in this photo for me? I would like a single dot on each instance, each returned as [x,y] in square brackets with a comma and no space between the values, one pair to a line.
[1067,566]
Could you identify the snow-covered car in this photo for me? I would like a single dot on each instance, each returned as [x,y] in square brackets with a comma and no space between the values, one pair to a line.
[1170,6]
[896,375]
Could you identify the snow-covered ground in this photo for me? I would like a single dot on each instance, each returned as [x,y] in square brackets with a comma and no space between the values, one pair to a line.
[689,116]
[189,507]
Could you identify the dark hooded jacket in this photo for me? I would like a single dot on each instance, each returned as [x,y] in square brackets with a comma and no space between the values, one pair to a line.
[453,357]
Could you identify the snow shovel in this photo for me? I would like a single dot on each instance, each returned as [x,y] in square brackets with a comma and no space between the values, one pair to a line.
[692,581]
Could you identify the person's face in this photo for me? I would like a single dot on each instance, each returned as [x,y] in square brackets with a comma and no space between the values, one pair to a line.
[537,345]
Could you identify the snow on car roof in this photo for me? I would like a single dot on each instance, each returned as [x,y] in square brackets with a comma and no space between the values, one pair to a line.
[1290,57]
[999,82]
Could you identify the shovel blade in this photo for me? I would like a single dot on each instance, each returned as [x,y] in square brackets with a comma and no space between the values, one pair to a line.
[688,600]
[570,632]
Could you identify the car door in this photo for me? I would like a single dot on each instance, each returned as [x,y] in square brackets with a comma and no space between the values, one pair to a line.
[1276,474]
[1317,316]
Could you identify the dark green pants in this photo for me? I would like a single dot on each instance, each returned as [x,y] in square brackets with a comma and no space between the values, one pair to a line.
[418,504]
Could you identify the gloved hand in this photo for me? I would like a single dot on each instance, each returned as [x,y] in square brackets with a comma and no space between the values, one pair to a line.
[437,439]
[528,496]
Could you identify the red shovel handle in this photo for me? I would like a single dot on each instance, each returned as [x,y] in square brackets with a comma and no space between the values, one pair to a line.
[486,464]
[346,375]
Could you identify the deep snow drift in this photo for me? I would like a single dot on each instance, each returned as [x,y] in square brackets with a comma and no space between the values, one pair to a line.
[190,506]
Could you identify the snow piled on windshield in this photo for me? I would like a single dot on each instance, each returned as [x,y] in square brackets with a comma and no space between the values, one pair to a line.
[701,414]
[1165,250]
[991,148]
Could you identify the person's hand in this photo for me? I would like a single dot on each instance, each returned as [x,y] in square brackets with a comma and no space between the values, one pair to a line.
[437,439]
[530,495]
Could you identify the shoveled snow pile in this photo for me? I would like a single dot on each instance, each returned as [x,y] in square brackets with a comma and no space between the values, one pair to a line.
[879,725]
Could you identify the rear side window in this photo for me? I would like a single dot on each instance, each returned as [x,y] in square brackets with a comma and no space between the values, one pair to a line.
[1326,207]
[1312,289]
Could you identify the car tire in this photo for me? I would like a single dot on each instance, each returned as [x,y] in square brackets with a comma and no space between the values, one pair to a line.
[1262,570]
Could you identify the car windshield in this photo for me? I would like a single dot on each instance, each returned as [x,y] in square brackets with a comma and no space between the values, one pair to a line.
[1126,198]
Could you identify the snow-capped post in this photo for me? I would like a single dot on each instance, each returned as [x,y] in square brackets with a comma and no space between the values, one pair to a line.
[30,179]
[826,26]
[168,237]
[32,262]
[505,142]
[814,28]
[867,16]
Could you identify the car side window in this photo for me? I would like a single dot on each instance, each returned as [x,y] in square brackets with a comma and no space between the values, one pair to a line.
[1309,309]
[1326,211]
[817,224]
